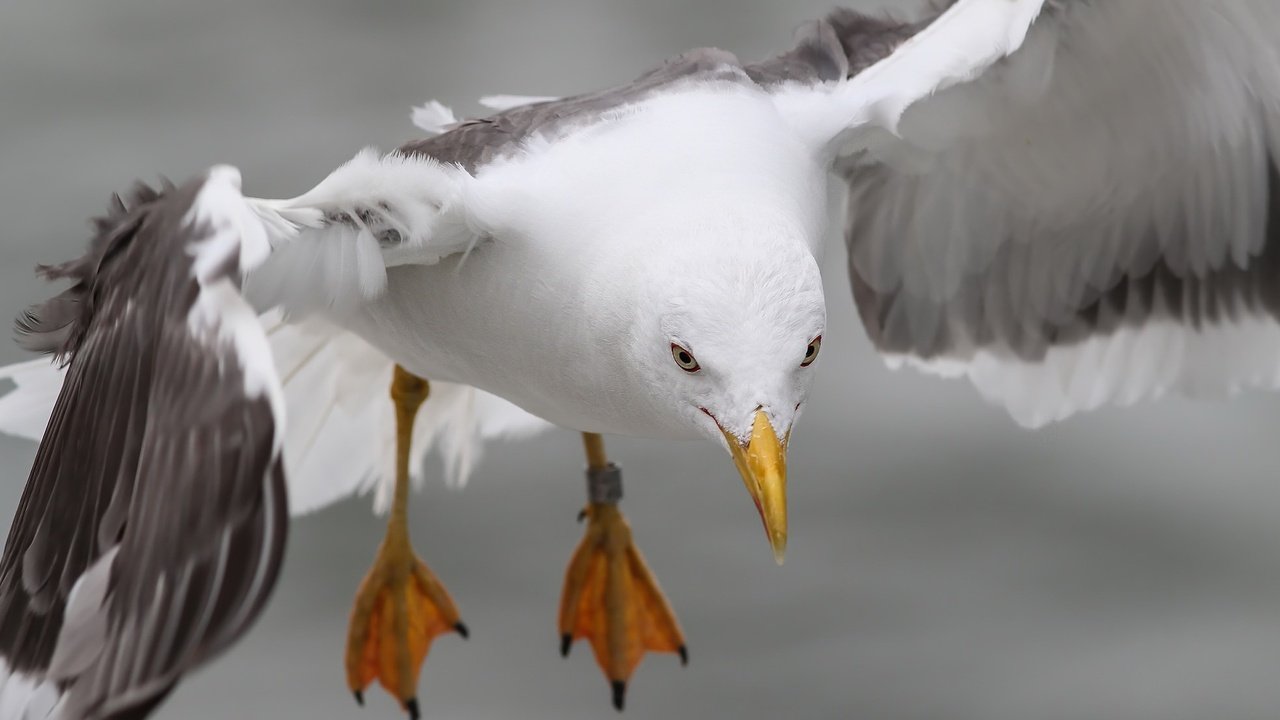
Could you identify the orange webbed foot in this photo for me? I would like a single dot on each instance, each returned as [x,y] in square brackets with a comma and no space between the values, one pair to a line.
[611,598]
[399,609]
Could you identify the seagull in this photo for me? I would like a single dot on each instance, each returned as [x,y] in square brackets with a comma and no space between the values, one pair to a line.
[1069,202]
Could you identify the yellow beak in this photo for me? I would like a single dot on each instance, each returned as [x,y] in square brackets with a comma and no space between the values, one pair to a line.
[763,466]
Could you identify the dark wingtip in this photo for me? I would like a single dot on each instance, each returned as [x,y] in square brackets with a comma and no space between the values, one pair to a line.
[462,630]
[412,706]
[359,696]
[619,694]
[683,651]
[566,642]
[582,514]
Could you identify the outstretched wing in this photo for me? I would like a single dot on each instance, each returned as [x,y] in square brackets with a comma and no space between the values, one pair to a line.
[152,526]
[330,249]
[1071,204]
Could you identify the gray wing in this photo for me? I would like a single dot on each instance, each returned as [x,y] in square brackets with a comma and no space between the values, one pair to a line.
[840,45]
[152,527]
[1092,218]
[476,142]
[353,227]
[835,48]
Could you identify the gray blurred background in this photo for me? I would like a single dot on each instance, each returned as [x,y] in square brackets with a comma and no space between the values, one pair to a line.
[943,563]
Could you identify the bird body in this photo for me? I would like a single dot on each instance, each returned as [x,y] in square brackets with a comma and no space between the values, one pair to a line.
[685,191]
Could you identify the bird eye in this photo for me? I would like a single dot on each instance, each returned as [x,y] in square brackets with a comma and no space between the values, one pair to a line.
[811,352]
[684,359]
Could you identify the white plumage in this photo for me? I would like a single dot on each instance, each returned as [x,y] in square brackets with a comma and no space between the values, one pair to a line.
[340,438]
[1070,203]
[409,204]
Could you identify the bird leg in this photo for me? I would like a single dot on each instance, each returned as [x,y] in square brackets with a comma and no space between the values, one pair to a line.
[610,597]
[400,606]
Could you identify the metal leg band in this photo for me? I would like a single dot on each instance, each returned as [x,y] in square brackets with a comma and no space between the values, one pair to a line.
[604,485]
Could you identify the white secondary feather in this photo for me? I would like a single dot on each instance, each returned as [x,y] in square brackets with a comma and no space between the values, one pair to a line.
[1130,365]
[331,246]
[1120,134]
[23,697]
[341,434]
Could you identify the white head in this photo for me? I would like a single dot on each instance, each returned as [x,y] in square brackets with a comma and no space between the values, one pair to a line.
[726,337]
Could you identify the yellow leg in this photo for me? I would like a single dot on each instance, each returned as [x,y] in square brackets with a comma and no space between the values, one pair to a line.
[400,606]
[610,596]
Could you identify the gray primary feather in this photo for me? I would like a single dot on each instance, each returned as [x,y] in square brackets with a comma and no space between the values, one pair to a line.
[987,308]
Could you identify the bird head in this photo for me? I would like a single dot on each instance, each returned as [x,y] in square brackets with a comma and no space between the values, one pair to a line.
[732,345]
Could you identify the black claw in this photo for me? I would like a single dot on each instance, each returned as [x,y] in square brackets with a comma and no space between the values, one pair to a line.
[359,697]
[412,706]
[566,642]
[619,693]
[461,627]
[684,654]
[582,514]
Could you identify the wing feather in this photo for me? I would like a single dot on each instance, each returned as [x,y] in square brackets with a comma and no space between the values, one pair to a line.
[332,245]
[152,526]
[1071,203]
